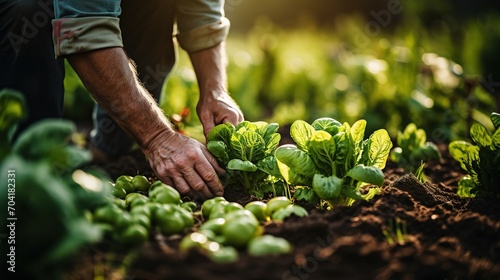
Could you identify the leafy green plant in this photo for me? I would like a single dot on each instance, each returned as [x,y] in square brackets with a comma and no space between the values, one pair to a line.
[48,193]
[331,161]
[13,111]
[413,149]
[481,160]
[247,153]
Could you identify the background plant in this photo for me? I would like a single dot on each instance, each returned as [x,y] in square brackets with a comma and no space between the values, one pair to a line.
[413,149]
[481,160]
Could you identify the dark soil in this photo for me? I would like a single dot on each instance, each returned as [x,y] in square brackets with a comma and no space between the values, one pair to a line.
[442,237]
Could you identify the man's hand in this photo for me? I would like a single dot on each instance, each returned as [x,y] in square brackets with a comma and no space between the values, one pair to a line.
[215,105]
[216,109]
[186,164]
[177,160]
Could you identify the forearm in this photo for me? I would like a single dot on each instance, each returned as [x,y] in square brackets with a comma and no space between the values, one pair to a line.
[210,68]
[111,80]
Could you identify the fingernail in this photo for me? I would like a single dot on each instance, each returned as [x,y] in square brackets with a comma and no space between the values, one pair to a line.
[219,193]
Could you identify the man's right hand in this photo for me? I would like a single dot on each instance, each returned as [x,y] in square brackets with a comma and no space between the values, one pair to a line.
[186,164]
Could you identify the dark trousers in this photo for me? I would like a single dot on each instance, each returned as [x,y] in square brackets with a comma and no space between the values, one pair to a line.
[27,60]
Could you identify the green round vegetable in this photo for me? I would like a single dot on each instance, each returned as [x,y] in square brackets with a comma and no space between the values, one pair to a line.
[218,210]
[268,245]
[240,227]
[140,183]
[258,209]
[142,220]
[276,203]
[168,220]
[119,192]
[125,182]
[187,216]
[134,234]
[193,240]
[107,214]
[142,209]
[190,206]
[123,221]
[232,206]
[120,203]
[225,254]
[165,194]
[213,225]
[207,206]
[135,199]
[286,212]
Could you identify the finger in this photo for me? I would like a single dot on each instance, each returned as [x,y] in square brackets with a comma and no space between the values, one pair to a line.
[181,186]
[211,179]
[207,127]
[213,162]
[197,184]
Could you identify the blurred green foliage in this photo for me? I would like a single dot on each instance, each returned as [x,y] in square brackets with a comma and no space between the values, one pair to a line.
[427,66]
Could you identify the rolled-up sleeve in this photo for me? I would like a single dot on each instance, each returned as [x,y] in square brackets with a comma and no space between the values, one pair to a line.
[201,24]
[82,26]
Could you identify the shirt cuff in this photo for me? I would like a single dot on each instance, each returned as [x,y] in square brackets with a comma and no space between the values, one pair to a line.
[76,35]
[204,37]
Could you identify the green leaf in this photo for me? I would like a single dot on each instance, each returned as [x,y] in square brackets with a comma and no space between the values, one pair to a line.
[283,213]
[301,131]
[426,152]
[357,136]
[219,150]
[268,130]
[367,174]
[307,194]
[269,165]
[255,146]
[379,148]
[13,109]
[221,132]
[238,146]
[343,158]
[465,187]
[295,165]
[241,165]
[495,119]
[272,143]
[327,187]
[480,135]
[43,138]
[248,126]
[321,149]
[327,124]
[495,139]
[465,153]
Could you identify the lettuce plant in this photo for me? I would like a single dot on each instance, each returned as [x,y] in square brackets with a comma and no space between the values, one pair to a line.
[481,161]
[247,153]
[413,149]
[331,161]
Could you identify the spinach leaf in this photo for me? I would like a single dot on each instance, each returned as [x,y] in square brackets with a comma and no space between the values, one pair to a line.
[334,161]
[247,153]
